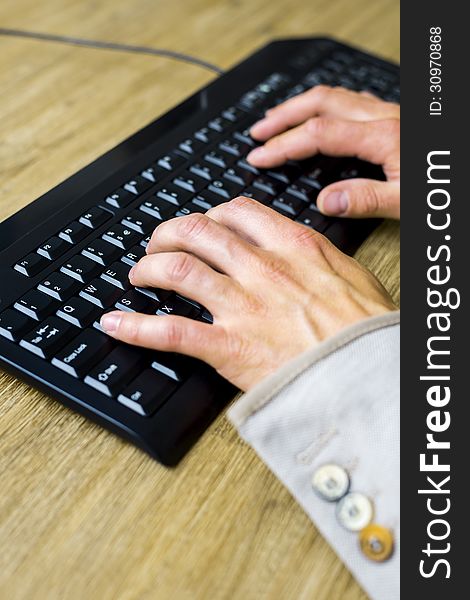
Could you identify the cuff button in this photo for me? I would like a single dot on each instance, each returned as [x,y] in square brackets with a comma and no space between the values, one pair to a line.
[331,482]
[376,542]
[354,511]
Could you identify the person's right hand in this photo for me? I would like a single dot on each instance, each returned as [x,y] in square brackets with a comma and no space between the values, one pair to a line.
[337,122]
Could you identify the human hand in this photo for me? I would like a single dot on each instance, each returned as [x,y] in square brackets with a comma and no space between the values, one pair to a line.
[274,287]
[337,122]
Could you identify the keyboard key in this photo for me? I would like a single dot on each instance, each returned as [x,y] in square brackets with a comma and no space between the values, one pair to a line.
[80,268]
[290,205]
[120,199]
[139,221]
[304,191]
[189,209]
[31,265]
[171,161]
[133,301]
[219,124]
[74,233]
[116,370]
[81,355]
[146,241]
[224,187]
[235,147]
[48,337]
[190,182]
[206,170]
[101,252]
[177,306]
[245,137]
[322,173]
[207,199]
[133,255]
[138,185]
[14,325]
[206,135]
[314,219]
[175,366]
[219,159]
[287,173]
[101,293]
[174,194]
[54,248]
[259,195]
[154,174]
[117,274]
[36,305]
[191,145]
[206,316]
[239,176]
[79,312]
[154,293]
[59,286]
[95,217]
[121,237]
[267,184]
[233,114]
[146,394]
[243,164]
[157,207]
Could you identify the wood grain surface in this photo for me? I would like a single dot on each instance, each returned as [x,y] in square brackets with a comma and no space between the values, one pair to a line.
[84,515]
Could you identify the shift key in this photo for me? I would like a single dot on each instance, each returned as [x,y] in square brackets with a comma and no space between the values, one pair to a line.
[116,370]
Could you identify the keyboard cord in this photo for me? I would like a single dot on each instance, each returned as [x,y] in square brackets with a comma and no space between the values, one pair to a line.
[64,39]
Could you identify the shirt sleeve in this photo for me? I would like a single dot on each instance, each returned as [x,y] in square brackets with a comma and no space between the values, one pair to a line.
[337,403]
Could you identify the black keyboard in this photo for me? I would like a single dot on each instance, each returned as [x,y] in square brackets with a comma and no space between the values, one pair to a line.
[65,258]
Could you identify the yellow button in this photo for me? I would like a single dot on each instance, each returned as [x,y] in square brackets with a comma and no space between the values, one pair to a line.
[376,542]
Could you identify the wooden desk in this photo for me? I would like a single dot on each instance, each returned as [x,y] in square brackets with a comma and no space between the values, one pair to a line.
[84,515]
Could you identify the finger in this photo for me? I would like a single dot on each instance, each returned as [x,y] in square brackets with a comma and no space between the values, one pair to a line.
[269,230]
[325,101]
[188,276]
[167,333]
[361,198]
[202,236]
[369,140]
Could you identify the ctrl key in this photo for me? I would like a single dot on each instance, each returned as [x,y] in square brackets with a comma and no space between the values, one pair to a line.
[115,371]
[147,392]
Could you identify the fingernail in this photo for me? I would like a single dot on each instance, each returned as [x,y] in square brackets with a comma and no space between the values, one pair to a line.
[256,153]
[336,203]
[110,322]
[131,273]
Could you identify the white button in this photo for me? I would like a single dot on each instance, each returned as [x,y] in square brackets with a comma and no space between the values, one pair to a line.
[331,482]
[354,511]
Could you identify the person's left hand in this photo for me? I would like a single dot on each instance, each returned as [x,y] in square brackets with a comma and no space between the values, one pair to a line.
[274,287]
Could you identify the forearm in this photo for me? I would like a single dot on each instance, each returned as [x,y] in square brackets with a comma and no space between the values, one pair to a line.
[337,403]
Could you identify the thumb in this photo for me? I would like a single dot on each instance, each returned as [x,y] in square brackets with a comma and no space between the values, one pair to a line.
[361,198]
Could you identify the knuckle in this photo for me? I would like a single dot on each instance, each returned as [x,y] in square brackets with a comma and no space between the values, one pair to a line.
[273,269]
[306,237]
[320,92]
[315,126]
[239,202]
[172,333]
[237,347]
[390,127]
[192,225]
[129,329]
[179,266]
[368,200]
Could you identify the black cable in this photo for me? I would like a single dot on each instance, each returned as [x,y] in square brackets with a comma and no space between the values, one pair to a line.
[64,39]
